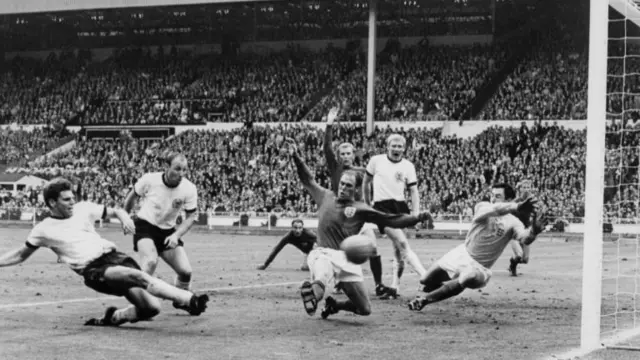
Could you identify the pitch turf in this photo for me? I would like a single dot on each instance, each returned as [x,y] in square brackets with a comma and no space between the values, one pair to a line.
[258,314]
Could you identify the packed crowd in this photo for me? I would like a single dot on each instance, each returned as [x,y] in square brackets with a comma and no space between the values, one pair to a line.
[408,87]
[18,146]
[246,169]
[417,82]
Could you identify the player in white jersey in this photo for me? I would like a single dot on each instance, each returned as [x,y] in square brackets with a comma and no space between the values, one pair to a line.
[70,234]
[163,196]
[391,175]
[468,265]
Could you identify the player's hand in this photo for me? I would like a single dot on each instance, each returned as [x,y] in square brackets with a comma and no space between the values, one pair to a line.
[539,223]
[127,225]
[171,241]
[292,146]
[261,267]
[333,115]
[528,205]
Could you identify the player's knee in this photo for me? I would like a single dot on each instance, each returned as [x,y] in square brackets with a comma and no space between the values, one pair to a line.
[473,280]
[149,264]
[149,310]
[364,309]
[139,278]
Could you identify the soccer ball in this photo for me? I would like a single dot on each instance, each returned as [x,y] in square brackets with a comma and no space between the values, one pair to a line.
[358,248]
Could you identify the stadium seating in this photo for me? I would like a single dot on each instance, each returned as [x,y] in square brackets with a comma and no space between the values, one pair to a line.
[246,169]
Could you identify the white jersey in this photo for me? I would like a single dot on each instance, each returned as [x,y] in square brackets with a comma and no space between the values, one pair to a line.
[390,179]
[162,204]
[75,239]
[492,228]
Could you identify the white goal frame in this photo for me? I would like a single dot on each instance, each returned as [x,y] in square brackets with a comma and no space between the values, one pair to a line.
[590,336]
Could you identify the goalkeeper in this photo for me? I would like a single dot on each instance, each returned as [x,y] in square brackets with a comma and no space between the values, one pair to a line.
[468,265]
[304,239]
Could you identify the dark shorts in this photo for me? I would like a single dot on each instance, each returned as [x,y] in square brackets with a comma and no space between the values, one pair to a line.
[146,230]
[391,207]
[93,273]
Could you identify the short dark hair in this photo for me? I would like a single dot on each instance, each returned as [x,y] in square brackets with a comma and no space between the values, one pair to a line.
[172,155]
[356,175]
[52,190]
[509,193]
[295,221]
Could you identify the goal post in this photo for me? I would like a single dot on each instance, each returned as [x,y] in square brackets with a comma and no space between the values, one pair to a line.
[594,182]
[611,264]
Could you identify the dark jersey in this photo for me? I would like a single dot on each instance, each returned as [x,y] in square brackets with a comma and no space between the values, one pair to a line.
[336,168]
[337,220]
[304,243]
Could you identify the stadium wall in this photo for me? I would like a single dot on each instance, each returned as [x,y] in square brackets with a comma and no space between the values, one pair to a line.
[458,224]
[35,6]
[453,128]
[101,54]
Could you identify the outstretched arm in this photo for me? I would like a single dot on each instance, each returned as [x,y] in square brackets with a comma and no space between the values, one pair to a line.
[396,221]
[317,192]
[284,241]
[17,256]
[527,236]
[122,215]
[487,210]
[366,188]
[332,163]
[130,200]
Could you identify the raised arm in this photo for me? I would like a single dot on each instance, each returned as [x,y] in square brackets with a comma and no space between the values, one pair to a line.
[332,162]
[306,177]
[526,236]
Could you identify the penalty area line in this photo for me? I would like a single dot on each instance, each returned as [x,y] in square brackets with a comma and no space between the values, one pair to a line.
[102,298]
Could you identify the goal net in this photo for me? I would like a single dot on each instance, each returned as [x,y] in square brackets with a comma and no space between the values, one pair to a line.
[620,298]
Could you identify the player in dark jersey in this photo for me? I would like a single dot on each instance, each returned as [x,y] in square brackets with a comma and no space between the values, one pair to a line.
[339,216]
[303,239]
[336,168]
[520,250]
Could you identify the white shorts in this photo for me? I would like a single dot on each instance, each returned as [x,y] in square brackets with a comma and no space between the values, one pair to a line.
[343,270]
[460,265]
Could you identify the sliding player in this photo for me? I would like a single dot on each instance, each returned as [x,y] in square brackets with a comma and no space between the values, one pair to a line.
[336,168]
[391,175]
[70,234]
[303,239]
[164,195]
[468,265]
[339,216]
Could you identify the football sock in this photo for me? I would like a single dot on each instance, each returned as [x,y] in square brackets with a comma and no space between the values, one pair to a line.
[161,289]
[347,305]
[318,289]
[447,290]
[128,314]
[183,282]
[376,268]
[415,262]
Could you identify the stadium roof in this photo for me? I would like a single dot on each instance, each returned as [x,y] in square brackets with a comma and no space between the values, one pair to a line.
[34,6]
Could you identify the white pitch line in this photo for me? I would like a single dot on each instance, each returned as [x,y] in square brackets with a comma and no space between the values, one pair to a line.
[80,300]
[226,288]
